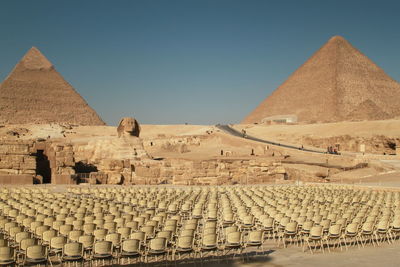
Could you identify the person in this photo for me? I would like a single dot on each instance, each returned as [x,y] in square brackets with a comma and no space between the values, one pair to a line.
[244,133]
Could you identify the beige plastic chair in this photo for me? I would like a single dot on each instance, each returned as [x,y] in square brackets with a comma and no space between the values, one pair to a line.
[74,235]
[350,236]
[209,244]
[89,228]
[36,254]
[72,252]
[102,250]
[234,242]
[65,229]
[20,236]
[367,234]
[255,239]
[125,232]
[7,256]
[290,233]
[165,234]
[130,248]
[333,238]
[382,232]
[184,245]
[100,234]
[157,248]
[87,241]
[134,225]
[56,245]
[40,230]
[24,244]
[47,236]
[149,230]
[315,237]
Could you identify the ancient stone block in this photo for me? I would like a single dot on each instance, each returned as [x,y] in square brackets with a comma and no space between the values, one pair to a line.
[147,171]
[114,178]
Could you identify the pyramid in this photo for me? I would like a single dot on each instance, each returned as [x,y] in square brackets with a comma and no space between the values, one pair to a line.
[337,83]
[34,92]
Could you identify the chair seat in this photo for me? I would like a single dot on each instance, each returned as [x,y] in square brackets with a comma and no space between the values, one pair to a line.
[102,256]
[36,260]
[130,254]
[209,247]
[233,245]
[72,258]
[178,249]
[157,252]
[254,243]
[6,262]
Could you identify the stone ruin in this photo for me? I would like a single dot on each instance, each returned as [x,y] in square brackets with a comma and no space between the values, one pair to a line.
[114,160]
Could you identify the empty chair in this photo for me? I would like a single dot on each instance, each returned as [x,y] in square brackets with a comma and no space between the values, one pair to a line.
[87,241]
[209,244]
[65,229]
[36,254]
[24,244]
[125,232]
[56,244]
[149,230]
[165,234]
[100,234]
[333,238]
[78,224]
[351,234]
[47,236]
[141,236]
[7,256]
[20,236]
[315,236]
[102,250]
[134,225]
[255,239]
[114,238]
[290,233]
[157,248]
[184,245]
[40,230]
[74,235]
[89,228]
[72,252]
[130,248]
[110,226]
[233,242]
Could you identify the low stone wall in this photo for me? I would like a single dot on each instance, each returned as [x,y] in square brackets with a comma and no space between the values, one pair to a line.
[16,179]
[208,172]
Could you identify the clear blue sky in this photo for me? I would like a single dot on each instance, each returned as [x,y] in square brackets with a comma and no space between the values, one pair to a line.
[201,62]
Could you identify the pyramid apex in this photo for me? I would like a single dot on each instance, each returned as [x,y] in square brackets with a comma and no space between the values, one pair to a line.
[336,38]
[35,60]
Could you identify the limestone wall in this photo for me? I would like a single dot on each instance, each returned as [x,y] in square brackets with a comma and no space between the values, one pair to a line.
[17,162]
[208,172]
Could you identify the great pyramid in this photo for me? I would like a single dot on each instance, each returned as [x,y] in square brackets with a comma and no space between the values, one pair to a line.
[337,83]
[36,93]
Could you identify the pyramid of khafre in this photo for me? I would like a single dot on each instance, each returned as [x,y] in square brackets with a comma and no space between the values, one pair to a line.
[35,92]
[337,83]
